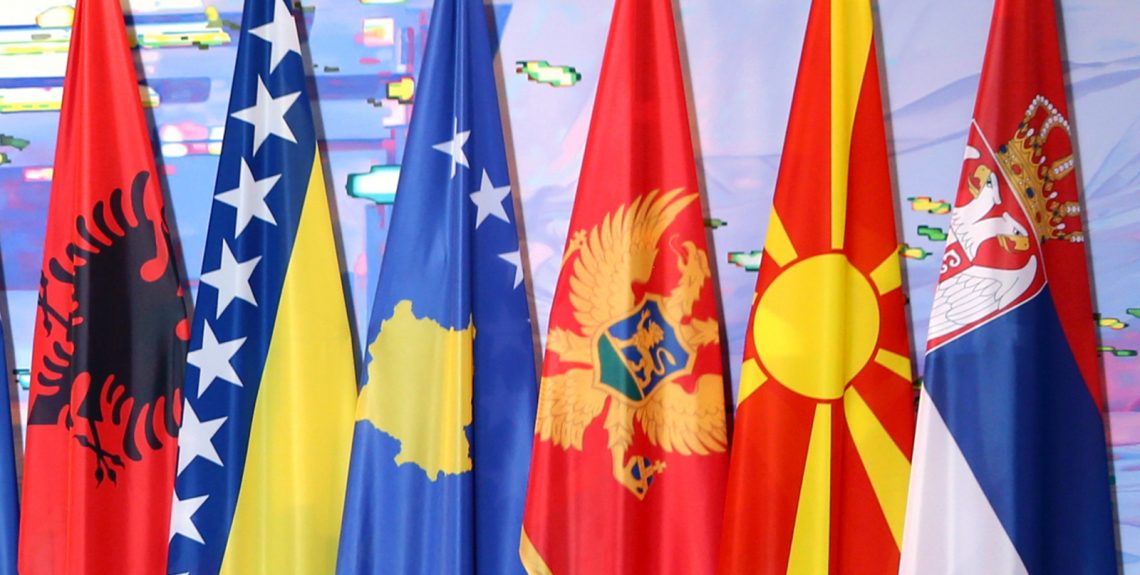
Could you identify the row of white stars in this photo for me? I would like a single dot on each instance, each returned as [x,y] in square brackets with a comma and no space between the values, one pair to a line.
[488,199]
[231,279]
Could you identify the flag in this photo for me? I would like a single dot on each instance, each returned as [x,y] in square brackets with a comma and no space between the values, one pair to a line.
[825,411]
[1010,467]
[630,452]
[9,487]
[267,425]
[110,331]
[445,416]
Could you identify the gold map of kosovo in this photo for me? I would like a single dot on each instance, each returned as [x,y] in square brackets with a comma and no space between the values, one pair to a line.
[419,391]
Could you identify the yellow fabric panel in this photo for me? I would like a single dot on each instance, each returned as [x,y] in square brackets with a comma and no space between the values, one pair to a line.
[292,494]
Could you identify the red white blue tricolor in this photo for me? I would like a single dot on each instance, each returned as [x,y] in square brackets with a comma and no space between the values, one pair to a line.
[1010,471]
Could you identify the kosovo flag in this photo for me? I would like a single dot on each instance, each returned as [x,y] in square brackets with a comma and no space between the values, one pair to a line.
[271,377]
[445,415]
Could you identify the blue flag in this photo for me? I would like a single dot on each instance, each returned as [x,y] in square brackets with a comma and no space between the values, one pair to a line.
[267,425]
[446,413]
[9,490]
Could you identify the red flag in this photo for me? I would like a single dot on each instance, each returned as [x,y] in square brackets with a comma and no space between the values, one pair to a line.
[630,453]
[111,330]
[825,414]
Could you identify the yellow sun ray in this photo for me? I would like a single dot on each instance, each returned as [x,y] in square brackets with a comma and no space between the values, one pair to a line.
[811,537]
[751,378]
[850,46]
[779,244]
[887,276]
[886,465]
[899,364]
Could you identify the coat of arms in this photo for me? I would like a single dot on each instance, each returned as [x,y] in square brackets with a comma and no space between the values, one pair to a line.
[993,259]
[635,349]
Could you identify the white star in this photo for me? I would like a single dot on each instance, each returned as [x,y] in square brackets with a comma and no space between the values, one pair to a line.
[231,279]
[489,201]
[181,518]
[281,34]
[196,438]
[213,360]
[513,259]
[454,147]
[249,199]
[267,115]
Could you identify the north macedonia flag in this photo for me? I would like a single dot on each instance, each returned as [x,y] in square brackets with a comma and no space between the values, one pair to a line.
[825,414]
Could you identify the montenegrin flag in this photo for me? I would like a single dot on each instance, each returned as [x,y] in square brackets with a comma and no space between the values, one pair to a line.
[825,413]
[1010,465]
[110,333]
[630,454]
[271,377]
[445,417]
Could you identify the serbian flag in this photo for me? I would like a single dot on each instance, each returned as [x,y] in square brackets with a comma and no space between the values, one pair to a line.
[825,411]
[1010,468]
[110,332]
[270,385]
[630,454]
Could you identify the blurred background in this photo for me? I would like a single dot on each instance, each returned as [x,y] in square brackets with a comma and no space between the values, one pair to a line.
[741,62]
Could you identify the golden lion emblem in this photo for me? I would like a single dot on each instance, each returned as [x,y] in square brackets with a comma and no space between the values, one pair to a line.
[633,349]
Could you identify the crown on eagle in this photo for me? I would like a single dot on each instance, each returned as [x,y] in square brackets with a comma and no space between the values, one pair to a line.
[1033,177]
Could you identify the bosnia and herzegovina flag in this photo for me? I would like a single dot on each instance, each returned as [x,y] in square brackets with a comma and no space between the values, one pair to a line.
[110,332]
[630,454]
[1010,465]
[9,488]
[825,414]
[445,415]
[270,387]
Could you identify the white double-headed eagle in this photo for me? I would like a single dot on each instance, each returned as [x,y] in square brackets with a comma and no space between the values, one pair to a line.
[612,258]
[978,291]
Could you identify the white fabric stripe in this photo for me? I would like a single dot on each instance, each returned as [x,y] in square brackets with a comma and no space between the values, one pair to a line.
[950,528]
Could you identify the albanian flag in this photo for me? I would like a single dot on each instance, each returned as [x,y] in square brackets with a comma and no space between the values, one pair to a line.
[111,330]
[825,413]
[630,453]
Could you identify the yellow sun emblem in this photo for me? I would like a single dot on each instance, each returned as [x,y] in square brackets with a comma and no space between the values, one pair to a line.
[632,349]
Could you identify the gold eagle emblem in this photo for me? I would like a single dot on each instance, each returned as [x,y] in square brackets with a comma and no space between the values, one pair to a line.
[633,346]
